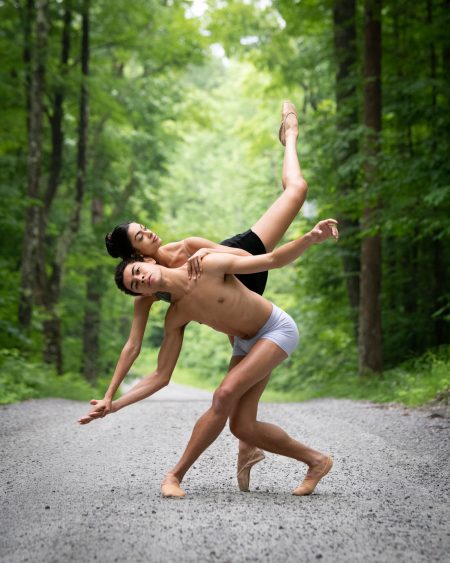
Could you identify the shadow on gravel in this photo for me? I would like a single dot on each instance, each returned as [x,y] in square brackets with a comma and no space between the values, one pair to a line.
[239,497]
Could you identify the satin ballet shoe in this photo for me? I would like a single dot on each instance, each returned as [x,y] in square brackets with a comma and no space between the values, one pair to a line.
[308,484]
[243,474]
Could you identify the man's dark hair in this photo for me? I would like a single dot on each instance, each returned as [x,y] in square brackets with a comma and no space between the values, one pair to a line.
[117,242]
[118,276]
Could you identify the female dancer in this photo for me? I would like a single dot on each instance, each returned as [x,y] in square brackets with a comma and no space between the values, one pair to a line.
[134,238]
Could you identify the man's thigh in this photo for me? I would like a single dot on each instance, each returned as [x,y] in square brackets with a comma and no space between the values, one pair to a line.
[249,370]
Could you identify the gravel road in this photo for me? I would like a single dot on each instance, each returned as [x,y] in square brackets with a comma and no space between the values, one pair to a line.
[91,493]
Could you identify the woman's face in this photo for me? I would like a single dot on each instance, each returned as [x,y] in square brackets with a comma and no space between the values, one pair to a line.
[142,240]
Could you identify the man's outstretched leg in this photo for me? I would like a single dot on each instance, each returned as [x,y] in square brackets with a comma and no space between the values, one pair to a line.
[263,358]
[245,426]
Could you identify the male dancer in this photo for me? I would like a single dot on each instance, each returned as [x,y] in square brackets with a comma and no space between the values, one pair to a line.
[264,337]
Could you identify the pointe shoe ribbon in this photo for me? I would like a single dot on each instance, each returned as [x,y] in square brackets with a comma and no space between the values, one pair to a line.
[170,487]
[288,108]
[243,474]
[308,484]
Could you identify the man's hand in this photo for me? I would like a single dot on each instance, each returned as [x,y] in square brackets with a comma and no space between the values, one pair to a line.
[324,230]
[99,409]
[195,263]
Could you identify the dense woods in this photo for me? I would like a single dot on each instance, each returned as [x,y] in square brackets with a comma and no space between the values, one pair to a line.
[167,113]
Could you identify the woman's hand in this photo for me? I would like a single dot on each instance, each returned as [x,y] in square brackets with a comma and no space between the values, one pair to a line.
[195,263]
[99,409]
[324,230]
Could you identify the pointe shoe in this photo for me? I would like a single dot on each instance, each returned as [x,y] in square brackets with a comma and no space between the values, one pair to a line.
[288,108]
[170,487]
[243,474]
[308,484]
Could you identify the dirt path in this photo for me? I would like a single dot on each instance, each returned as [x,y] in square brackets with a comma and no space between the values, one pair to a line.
[92,493]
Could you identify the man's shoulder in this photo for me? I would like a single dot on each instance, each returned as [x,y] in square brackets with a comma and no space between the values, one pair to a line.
[175,317]
[144,301]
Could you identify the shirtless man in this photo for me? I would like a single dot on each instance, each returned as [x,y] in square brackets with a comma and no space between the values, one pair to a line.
[264,336]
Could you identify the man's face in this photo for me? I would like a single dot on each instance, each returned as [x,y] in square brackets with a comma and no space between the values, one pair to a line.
[143,240]
[142,277]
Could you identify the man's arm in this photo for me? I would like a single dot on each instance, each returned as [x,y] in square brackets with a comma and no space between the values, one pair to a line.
[167,360]
[132,348]
[198,248]
[281,256]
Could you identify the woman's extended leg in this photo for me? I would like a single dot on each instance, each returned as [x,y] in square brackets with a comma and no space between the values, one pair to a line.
[248,455]
[245,426]
[277,219]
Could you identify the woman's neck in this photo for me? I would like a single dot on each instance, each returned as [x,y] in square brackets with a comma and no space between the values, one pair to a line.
[171,255]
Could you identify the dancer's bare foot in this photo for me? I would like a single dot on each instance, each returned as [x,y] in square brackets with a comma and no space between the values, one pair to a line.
[315,473]
[289,122]
[246,460]
[170,487]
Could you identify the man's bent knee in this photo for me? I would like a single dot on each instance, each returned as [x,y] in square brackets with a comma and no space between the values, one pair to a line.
[223,400]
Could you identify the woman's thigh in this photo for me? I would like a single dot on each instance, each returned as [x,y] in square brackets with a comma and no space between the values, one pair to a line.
[272,225]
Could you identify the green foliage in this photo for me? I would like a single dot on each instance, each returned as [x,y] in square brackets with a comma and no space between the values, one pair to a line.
[21,380]
[412,383]
[186,142]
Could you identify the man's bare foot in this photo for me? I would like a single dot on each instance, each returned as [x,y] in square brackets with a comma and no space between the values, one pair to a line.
[289,122]
[315,474]
[246,460]
[170,487]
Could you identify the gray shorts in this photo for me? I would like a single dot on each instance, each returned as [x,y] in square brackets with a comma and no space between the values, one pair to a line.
[280,329]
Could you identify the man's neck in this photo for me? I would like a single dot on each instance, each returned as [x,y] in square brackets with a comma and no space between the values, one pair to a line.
[174,284]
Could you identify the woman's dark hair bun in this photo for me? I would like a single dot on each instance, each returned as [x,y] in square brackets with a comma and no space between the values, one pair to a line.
[117,242]
[110,246]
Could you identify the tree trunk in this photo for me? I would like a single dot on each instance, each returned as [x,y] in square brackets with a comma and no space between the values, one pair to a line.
[56,160]
[52,324]
[27,42]
[344,13]
[92,319]
[48,288]
[56,120]
[370,341]
[35,134]
[438,289]
[52,331]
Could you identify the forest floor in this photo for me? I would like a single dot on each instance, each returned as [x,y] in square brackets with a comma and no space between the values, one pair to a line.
[91,493]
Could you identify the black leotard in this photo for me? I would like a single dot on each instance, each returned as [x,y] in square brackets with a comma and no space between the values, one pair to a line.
[250,242]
